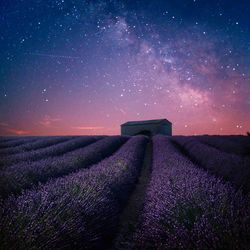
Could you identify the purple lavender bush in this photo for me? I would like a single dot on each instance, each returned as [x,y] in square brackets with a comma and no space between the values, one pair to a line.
[186,208]
[231,144]
[5,138]
[42,142]
[54,150]
[24,175]
[78,211]
[244,142]
[231,167]
[17,141]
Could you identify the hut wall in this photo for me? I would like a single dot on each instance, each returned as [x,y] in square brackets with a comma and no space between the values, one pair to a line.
[152,128]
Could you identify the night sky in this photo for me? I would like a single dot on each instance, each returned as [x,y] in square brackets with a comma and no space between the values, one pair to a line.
[85,67]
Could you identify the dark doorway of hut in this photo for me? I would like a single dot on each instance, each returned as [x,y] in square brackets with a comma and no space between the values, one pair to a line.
[145,132]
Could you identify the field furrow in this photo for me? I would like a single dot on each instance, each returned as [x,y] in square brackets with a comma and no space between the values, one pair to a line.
[40,143]
[98,192]
[4,139]
[24,175]
[130,215]
[239,145]
[79,211]
[231,167]
[17,141]
[187,208]
[53,150]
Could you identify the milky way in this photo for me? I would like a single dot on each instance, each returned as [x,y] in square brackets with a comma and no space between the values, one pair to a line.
[85,67]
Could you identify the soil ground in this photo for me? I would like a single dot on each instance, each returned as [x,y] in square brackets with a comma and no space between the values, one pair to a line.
[130,215]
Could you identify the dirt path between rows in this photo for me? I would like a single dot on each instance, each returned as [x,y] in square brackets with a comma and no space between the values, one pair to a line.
[130,215]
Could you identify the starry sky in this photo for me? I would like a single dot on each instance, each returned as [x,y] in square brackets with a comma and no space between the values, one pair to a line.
[85,67]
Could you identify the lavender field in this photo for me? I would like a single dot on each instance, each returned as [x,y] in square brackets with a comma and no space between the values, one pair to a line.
[119,192]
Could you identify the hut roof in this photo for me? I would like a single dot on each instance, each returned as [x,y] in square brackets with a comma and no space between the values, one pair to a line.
[133,123]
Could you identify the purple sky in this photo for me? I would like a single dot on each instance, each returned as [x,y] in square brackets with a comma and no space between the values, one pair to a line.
[85,67]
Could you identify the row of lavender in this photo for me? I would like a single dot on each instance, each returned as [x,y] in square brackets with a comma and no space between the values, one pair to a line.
[234,144]
[8,141]
[187,208]
[53,150]
[231,167]
[12,143]
[32,145]
[23,175]
[80,210]
[186,199]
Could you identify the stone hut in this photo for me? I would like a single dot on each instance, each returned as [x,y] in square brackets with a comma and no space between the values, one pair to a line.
[148,127]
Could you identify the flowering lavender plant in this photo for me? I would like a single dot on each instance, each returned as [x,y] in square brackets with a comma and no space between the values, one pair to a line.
[53,150]
[233,168]
[187,208]
[42,142]
[16,141]
[80,210]
[231,144]
[24,175]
